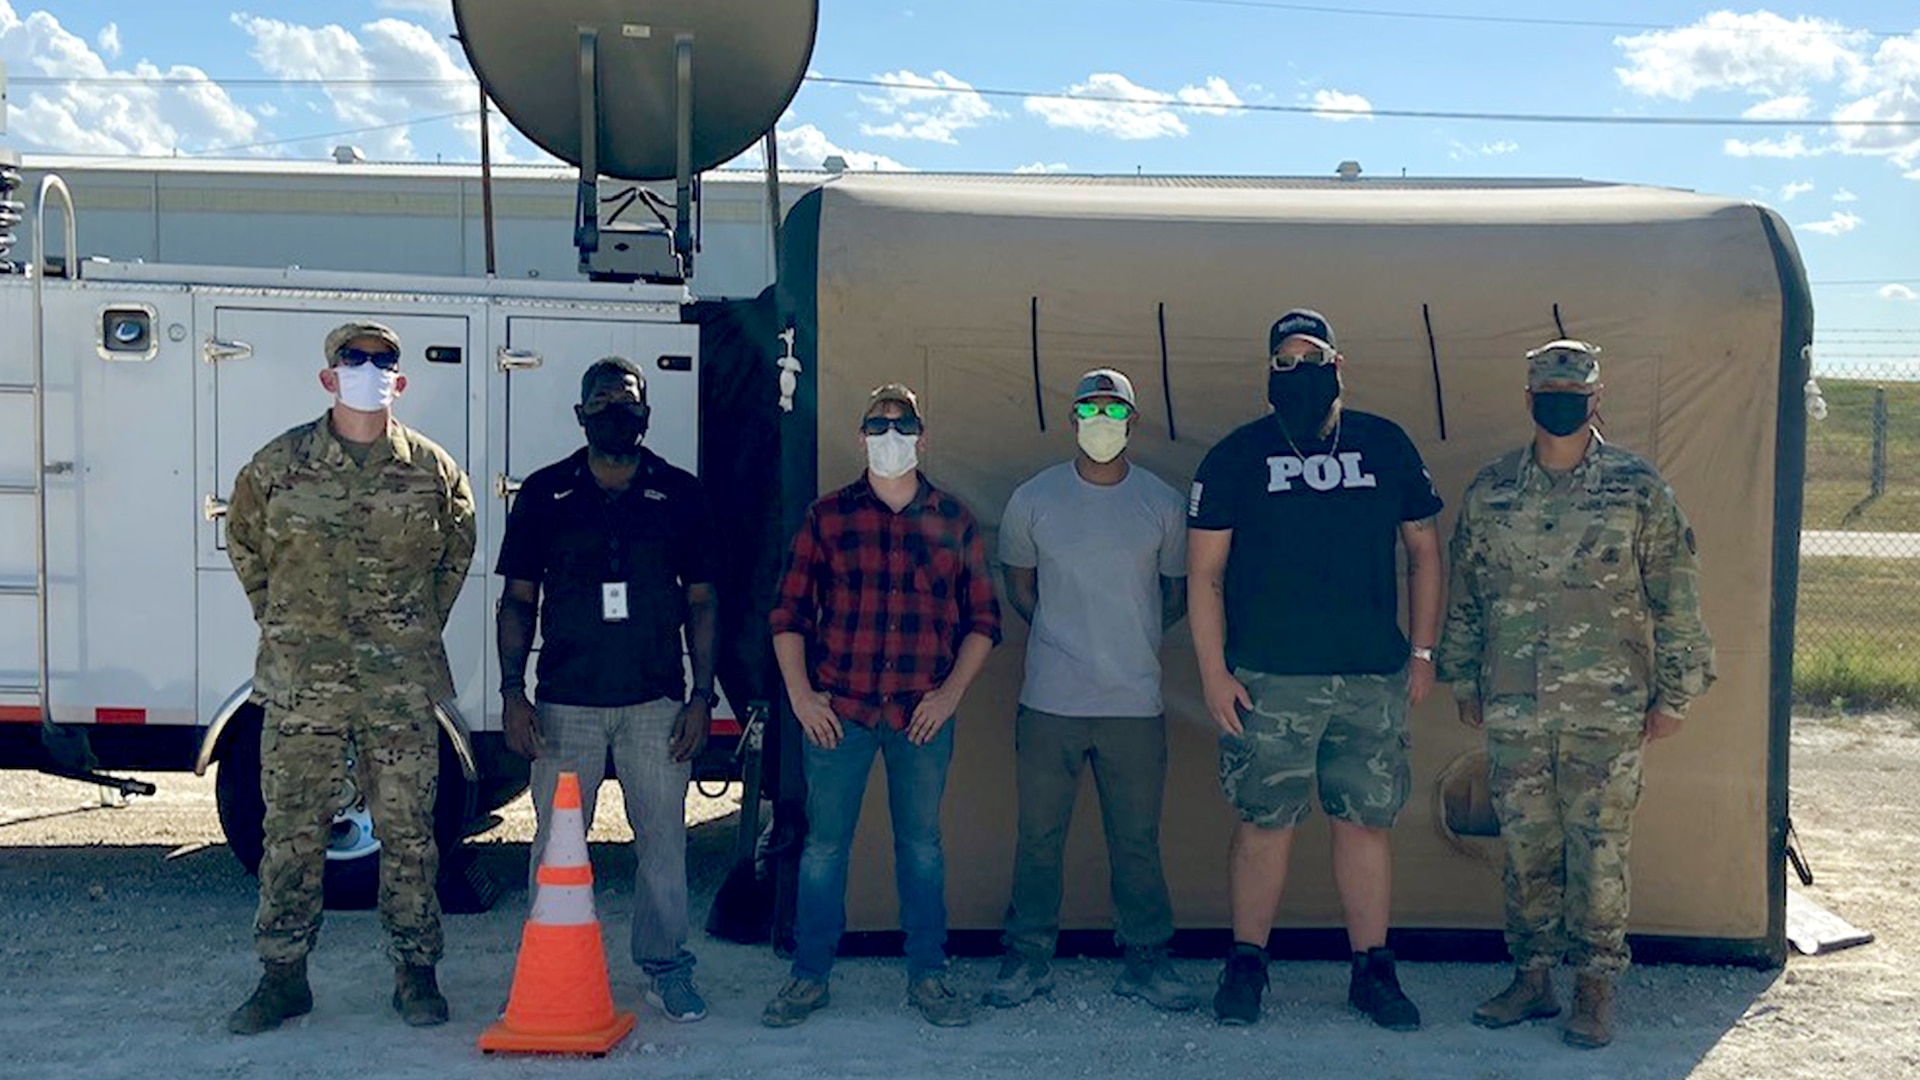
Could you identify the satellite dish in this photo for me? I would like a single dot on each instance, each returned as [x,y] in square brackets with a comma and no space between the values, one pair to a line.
[748,59]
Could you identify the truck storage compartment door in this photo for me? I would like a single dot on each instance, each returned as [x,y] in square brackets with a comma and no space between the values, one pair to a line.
[260,369]
[540,369]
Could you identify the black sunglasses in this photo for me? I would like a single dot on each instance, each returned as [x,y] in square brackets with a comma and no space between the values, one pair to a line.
[385,359]
[879,425]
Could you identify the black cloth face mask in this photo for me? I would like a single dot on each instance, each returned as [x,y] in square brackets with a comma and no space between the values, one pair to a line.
[1561,412]
[1302,397]
[616,431]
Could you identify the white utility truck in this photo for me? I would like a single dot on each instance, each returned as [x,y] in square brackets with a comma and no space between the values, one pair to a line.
[132,393]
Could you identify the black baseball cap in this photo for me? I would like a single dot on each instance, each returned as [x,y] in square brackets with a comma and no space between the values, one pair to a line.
[1300,322]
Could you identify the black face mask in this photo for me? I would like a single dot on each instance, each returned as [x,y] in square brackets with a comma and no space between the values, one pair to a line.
[1301,398]
[1561,412]
[616,431]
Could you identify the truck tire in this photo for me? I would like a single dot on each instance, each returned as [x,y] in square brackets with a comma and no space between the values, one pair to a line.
[353,862]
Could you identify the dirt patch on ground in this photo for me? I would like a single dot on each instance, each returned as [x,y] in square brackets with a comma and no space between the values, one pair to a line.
[124,941]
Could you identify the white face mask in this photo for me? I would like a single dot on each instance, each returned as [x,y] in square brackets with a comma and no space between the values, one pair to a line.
[1103,437]
[365,388]
[892,454]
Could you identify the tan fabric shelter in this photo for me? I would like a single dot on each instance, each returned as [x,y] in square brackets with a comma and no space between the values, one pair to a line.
[1436,291]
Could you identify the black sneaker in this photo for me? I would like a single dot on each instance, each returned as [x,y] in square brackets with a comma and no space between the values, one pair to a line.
[1375,990]
[1242,981]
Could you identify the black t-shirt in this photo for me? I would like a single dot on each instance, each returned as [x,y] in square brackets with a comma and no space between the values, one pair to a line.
[573,538]
[1310,586]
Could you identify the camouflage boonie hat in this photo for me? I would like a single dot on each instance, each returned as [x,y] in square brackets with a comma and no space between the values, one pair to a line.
[346,332]
[1563,361]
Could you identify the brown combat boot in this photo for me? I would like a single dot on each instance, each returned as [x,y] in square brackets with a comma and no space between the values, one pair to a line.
[416,995]
[283,994]
[1592,1025]
[1528,997]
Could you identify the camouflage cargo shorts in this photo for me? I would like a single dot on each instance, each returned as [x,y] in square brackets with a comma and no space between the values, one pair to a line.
[1344,736]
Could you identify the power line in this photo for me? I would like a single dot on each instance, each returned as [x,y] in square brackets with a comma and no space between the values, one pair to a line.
[1396,114]
[245,81]
[333,134]
[1154,102]
[1523,20]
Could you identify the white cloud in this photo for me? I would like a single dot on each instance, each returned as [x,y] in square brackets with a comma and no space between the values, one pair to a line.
[1499,148]
[1758,53]
[1111,104]
[1898,292]
[807,147]
[1215,93]
[926,108]
[1796,107]
[1041,167]
[1140,114]
[1794,190]
[123,118]
[1338,106]
[1891,83]
[1844,196]
[441,9]
[109,41]
[1784,60]
[1793,145]
[1840,222]
[383,49]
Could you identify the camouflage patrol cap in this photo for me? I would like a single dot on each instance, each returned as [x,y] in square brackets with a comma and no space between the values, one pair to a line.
[896,393]
[1563,361]
[346,332]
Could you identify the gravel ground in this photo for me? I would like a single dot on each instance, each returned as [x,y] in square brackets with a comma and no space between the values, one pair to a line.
[124,942]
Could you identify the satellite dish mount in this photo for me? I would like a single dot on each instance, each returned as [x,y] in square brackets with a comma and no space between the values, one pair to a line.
[616,250]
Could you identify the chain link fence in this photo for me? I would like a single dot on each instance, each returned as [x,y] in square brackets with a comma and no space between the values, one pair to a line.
[1857,644]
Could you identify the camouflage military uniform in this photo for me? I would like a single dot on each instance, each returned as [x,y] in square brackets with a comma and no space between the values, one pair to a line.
[1574,608]
[352,570]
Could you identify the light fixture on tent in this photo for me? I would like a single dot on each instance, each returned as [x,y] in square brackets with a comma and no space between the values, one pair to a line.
[639,90]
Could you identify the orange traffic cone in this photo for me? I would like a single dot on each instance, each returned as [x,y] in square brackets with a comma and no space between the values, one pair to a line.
[561,1001]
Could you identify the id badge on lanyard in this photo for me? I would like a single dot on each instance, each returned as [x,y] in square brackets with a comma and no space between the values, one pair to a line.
[613,601]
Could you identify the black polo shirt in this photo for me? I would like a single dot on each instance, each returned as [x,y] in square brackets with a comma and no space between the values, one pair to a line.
[1310,585]
[573,538]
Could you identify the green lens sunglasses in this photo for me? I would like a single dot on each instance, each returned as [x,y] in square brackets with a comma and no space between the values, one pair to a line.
[1087,410]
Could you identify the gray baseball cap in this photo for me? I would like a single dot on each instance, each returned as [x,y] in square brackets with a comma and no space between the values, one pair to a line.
[1104,382]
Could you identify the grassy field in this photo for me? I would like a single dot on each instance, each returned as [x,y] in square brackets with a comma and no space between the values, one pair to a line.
[1839,455]
[1857,644]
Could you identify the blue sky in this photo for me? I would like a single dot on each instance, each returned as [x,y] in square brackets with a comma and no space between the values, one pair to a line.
[1851,193]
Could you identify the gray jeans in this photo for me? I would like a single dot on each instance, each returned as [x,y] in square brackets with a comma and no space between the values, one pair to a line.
[1129,758]
[655,789]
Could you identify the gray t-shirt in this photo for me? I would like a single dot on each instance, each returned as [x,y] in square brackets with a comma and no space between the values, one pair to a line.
[1094,649]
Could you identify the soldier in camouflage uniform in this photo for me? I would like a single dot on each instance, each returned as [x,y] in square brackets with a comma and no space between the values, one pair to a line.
[1573,637]
[351,535]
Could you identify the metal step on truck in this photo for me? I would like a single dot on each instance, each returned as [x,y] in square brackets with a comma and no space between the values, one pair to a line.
[131,394]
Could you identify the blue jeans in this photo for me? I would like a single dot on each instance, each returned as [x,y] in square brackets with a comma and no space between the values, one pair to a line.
[836,785]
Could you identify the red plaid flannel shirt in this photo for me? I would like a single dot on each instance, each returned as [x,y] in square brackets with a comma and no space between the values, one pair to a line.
[884,599]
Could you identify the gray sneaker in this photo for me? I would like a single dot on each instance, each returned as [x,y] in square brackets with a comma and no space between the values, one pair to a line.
[1023,977]
[1150,976]
[672,992]
[937,1003]
[796,1001]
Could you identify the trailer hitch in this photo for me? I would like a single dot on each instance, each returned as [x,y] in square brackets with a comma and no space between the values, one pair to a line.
[124,785]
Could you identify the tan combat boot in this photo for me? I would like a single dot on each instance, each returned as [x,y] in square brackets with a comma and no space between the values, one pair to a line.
[416,995]
[283,994]
[1528,997]
[1592,1025]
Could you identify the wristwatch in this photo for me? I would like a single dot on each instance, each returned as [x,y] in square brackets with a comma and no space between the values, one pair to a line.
[708,695]
[1420,653]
